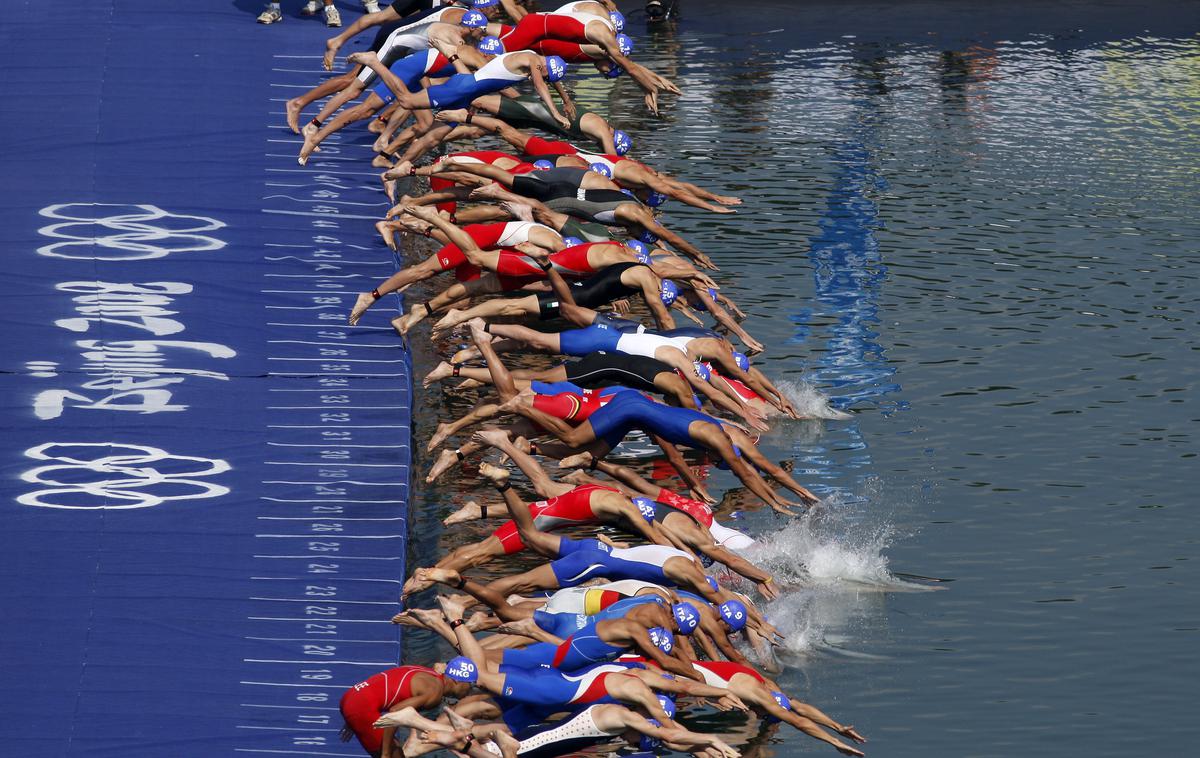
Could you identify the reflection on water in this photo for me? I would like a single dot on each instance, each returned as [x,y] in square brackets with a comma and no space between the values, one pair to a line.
[993,206]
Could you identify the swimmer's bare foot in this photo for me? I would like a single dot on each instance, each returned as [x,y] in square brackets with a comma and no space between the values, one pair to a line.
[398,322]
[377,126]
[479,621]
[416,315]
[387,232]
[451,115]
[310,145]
[456,720]
[448,739]
[489,192]
[479,333]
[399,171]
[292,113]
[451,609]
[364,301]
[362,58]
[380,161]
[446,459]
[524,627]
[497,438]
[578,476]
[523,399]
[519,211]
[580,460]
[439,436]
[441,371]
[469,512]
[389,188]
[469,384]
[496,474]
[447,322]
[441,576]
[508,744]
[464,355]
[406,618]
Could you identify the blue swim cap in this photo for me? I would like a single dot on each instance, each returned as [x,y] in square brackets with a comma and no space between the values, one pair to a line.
[783,702]
[712,583]
[642,257]
[474,20]
[648,237]
[602,169]
[490,45]
[669,292]
[645,506]
[618,20]
[696,399]
[667,703]
[462,669]
[714,294]
[662,638]
[572,241]
[734,613]
[543,164]
[647,742]
[686,616]
[741,360]
[637,247]
[703,370]
[624,43]
[484,3]
[612,73]
[556,68]
[655,199]
[622,141]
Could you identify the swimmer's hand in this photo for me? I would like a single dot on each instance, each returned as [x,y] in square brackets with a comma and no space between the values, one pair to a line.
[569,107]
[651,100]
[622,307]
[767,590]
[612,543]
[699,493]
[562,120]
[731,701]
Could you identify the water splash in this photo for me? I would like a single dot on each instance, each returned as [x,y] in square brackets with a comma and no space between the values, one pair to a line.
[810,402]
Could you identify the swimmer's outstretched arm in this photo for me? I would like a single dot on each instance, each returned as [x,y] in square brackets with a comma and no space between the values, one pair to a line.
[680,464]
[741,566]
[537,76]
[729,322]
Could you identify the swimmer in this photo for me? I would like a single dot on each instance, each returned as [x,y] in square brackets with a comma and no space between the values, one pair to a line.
[626,172]
[501,71]
[583,27]
[450,256]
[765,697]
[605,429]
[394,690]
[450,27]
[567,506]
[389,20]
[588,196]
[411,70]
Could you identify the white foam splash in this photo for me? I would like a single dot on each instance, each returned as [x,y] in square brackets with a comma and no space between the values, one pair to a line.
[809,401]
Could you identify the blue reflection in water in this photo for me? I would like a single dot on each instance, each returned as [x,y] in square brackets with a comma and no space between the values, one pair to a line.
[848,276]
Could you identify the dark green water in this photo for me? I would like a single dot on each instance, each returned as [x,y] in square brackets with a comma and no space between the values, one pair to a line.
[974,227]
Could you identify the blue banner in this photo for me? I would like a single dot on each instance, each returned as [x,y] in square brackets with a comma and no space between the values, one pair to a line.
[205,469]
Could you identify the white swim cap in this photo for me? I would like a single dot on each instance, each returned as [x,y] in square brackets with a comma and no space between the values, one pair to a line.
[730,538]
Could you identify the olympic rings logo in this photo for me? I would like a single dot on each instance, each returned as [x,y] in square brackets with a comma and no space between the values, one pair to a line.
[116,476]
[126,233]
